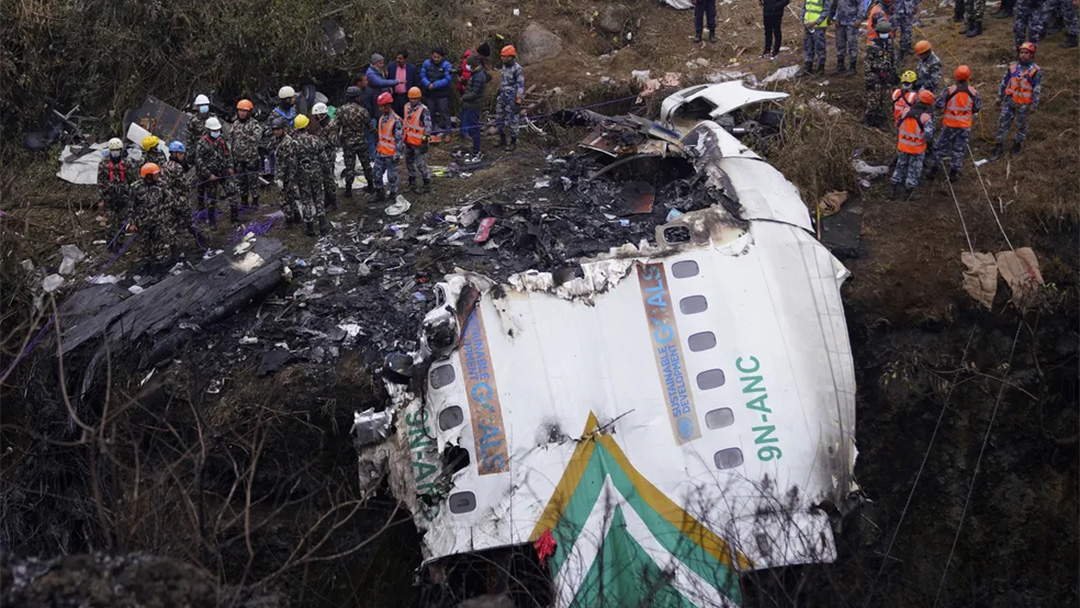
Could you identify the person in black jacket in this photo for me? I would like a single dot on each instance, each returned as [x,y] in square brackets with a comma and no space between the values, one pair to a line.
[472,101]
[366,99]
[773,12]
[402,68]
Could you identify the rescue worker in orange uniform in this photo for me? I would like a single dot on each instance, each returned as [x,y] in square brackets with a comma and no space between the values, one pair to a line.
[903,97]
[879,10]
[389,130]
[417,129]
[1018,97]
[960,102]
[914,133]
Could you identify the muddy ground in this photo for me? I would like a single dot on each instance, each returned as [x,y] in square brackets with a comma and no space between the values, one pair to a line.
[236,482]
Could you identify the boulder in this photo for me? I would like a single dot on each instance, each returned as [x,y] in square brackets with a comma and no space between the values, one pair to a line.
[613,18]
[538,44]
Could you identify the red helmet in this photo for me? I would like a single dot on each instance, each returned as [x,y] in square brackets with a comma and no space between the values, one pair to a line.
[385,99]
[149,169]
[962,73]
[1028,46]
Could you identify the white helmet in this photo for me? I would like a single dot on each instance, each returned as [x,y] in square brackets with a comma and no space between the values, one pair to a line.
[116,144]
[319,109]
[286,93]
[202,100]
[213,124]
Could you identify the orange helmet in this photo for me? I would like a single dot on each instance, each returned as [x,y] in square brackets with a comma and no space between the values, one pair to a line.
[244,104]
[508,51]
[1028,46]
[921,47]
[385,99]
[962,73]
[149,169]
[926,96]
[414,93]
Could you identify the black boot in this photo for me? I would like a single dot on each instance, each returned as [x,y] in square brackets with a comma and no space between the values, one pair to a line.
[309,228]
[324,226]
[331,201]
[502,141]
[513,145]
[894,191]
[427,185]
[909,194]
[1001,13]
[809,67]
[211,215]
[841,66]
[851,69]
[954,176]
[234,214]
[932,174]
[255,202]
[289,219]
[999,149]
[412,186]
[821,67]
[974,30]
[379,195]
[1015,148]
[697,37]
[348,189]
[712,35]
[1069,42]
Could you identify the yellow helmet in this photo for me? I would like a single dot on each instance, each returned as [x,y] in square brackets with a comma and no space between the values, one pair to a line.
[150,142]
[300,121]
[909,77]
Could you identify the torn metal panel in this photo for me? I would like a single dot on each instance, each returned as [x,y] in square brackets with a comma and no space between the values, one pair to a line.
[720,99]
[160,118]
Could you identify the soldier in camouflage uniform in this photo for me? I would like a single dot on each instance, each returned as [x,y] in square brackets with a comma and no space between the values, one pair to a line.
[305,175]
[417,129]
[277,164]
[1042,19]
[915,134]
[152,216]
[959,103]
[846,15]
[353,124]
[150,151]
[177,183]
[881,75]
[508,102]
[928,70]
[973,15]
[323,128]
[1018,97]
[213,168]
[197,124]
[116,173]
[244,141]
[903,15]
[388,147]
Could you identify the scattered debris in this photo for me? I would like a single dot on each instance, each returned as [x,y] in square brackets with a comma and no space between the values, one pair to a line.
[831,202]
[784,73]
[484,230]
[52,282]
[399,206]
[861,166]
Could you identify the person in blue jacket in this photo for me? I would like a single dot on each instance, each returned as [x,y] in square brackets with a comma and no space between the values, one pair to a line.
[376,75]
[435,77]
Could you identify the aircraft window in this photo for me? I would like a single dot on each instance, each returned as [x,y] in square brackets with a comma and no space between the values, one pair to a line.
[463,502]
[724,459]
[691,305]
[719,418]
[710,378]
[684,269]
[442,376]
[451,417]
[701,341]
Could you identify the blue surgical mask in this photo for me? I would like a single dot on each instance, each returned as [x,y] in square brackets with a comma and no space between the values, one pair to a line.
[204,109]
[215,134]
[114,154]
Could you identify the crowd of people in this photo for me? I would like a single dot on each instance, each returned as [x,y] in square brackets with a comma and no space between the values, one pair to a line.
[391,112]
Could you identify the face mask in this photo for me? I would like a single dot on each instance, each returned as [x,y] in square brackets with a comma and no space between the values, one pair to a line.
[114,154]
[215,134]
[204,109]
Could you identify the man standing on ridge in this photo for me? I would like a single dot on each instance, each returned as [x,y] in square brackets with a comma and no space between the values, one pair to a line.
[960,102]
[508,103]
[436,74]
[353,125]
[388,149]
[915,131]
[1018,97]
[815,20]
[417,126]
[245,138]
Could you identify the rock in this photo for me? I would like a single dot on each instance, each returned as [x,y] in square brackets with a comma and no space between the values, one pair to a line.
[538,44]
[613,18]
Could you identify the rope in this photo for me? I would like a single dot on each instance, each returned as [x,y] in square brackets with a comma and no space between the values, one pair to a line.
[956,202]
[922,466]
[978,461]
[988,201]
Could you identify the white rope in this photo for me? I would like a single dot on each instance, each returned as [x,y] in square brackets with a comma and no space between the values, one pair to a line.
[922,466]
[978,461]
[988,201]
[956,202]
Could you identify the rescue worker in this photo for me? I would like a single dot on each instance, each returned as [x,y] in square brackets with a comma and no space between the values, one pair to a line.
[928,71]
[471,103]
[213,168]
[1018,97]
[508,102]
[902,16]
[417,126]
[1026,11]
[960,103]
[151,216]
[150,151]
[244,140]
[846,15]
[286,107]
[436,74]
[388,148]
[277,163]
[323,129]
[353,127]
[376,75]
[704,14]
[176,182]
[116,173]
[903,97]
[1042,20]
[915,131]
[305,167]
[197,123]
[973,16]
[814,21]
[880,74]
[877,12]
